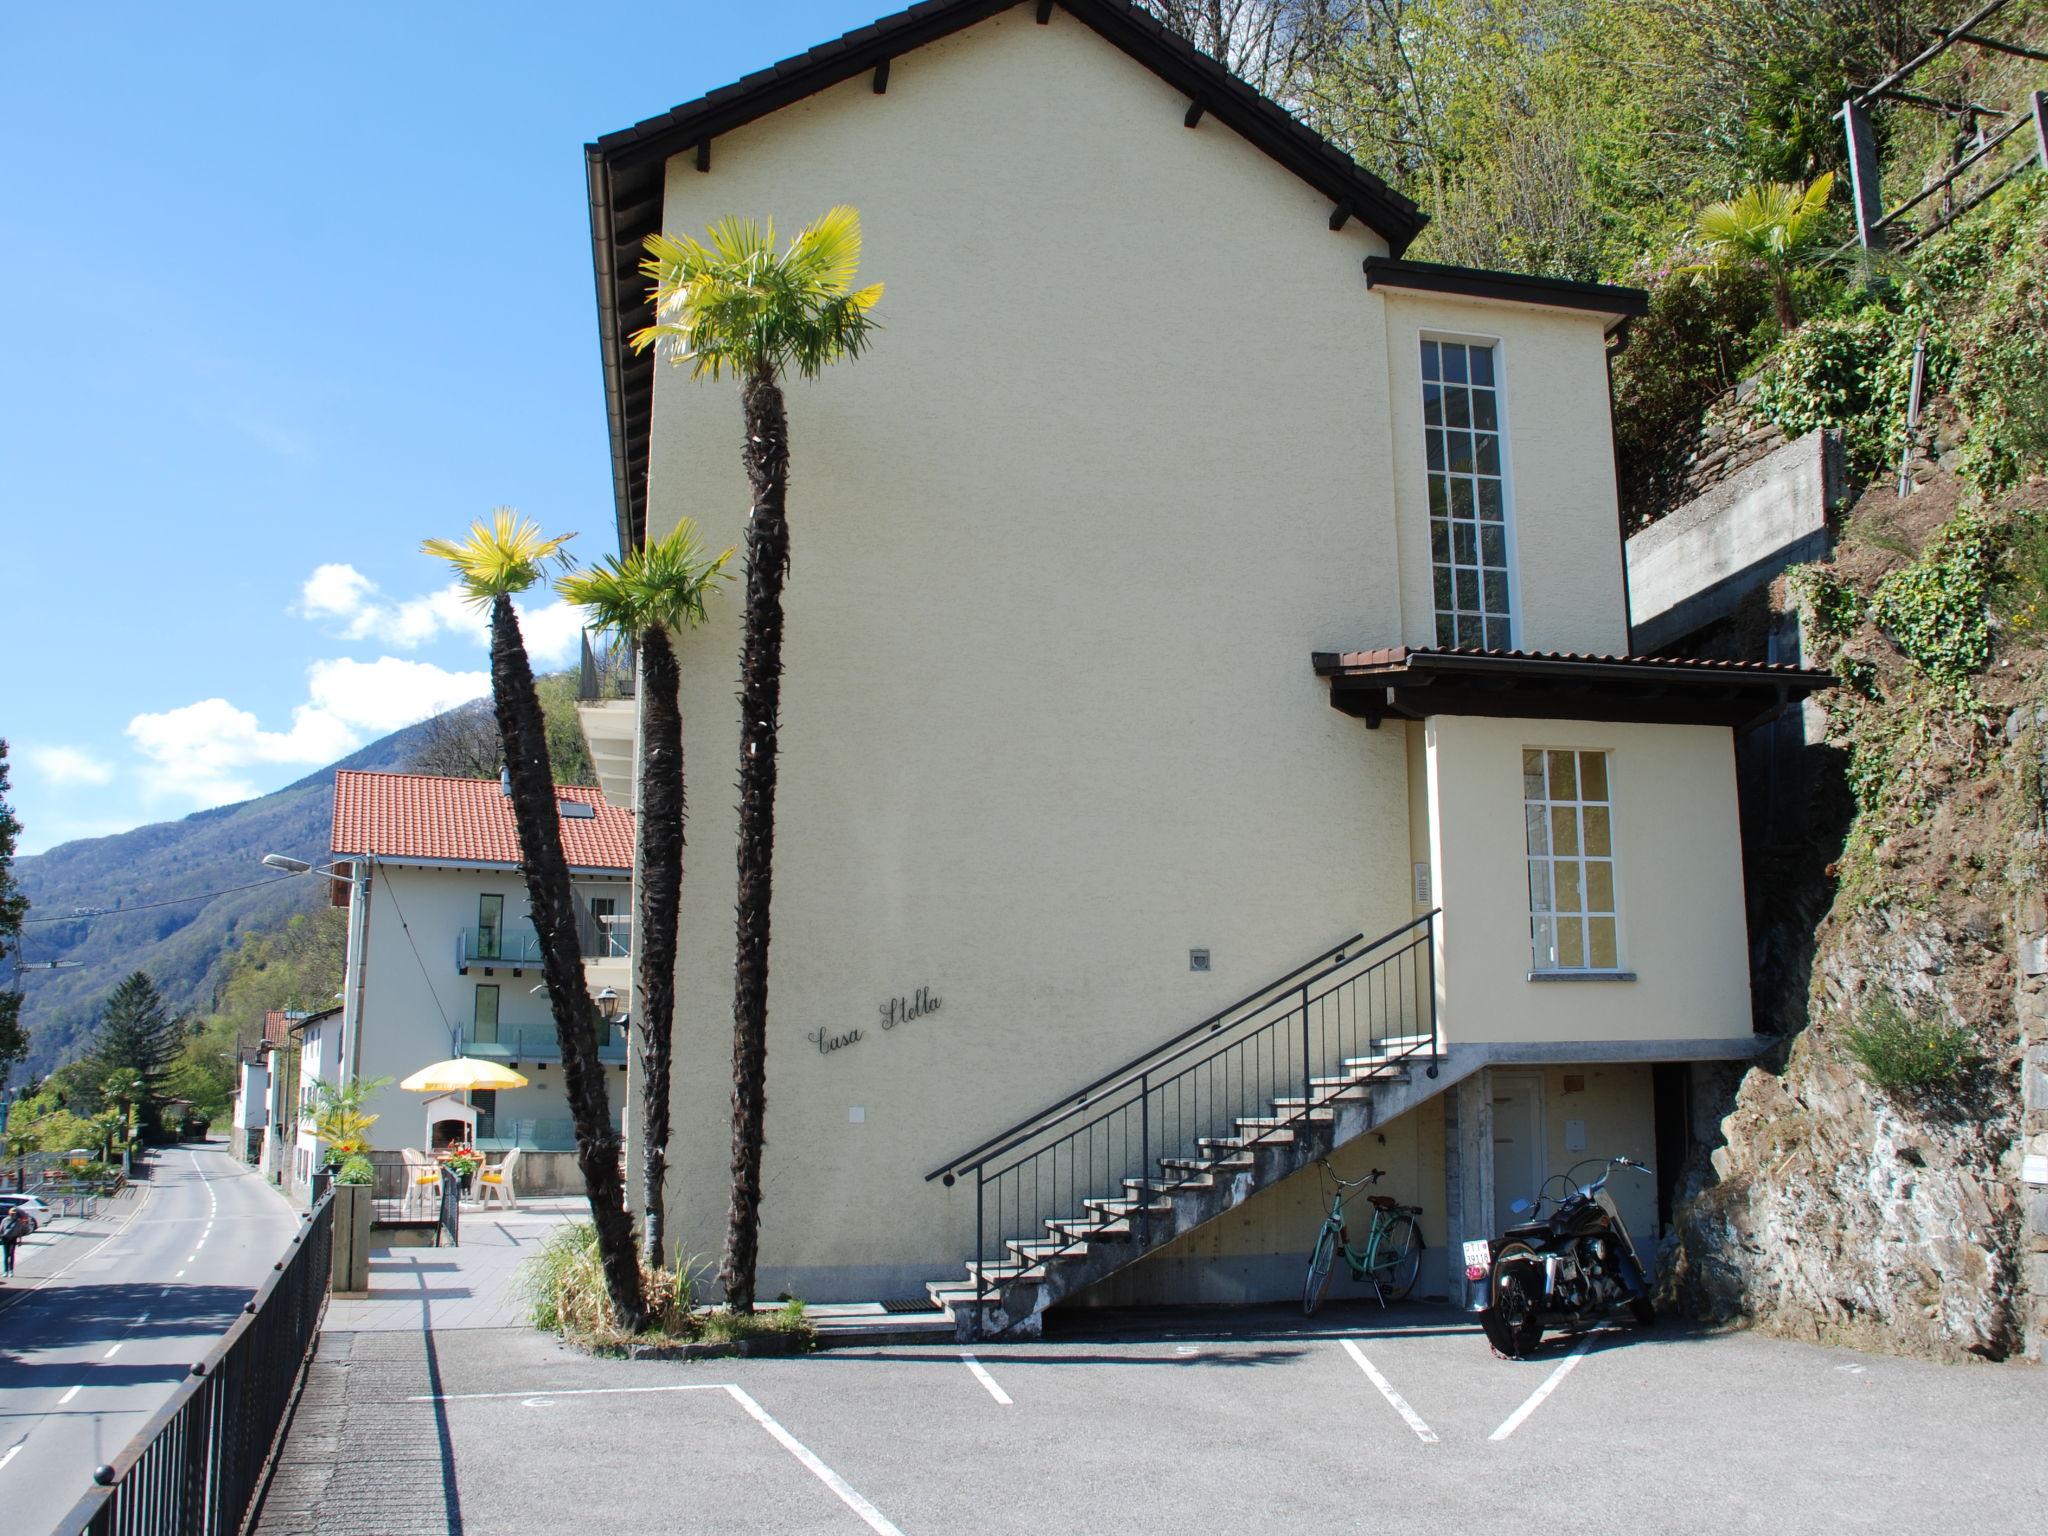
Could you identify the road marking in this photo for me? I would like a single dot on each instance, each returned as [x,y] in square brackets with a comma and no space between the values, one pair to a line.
[845,1492]
[981,1375]
[180,1274]
[140,1321]
[13,1451]
[472,1397]
[113,1352]
[876,1520]
[71,1394]
[1422,1431]
[1550,1385]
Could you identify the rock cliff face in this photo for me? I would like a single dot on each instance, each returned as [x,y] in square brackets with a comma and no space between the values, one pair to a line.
[1899,1219]
[1835,1212]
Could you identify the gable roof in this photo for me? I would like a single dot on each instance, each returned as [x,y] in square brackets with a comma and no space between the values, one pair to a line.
[408,816]
[625,172]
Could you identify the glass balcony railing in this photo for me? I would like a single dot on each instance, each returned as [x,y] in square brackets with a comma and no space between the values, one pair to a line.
[496,946]
[539,1135]
[535,1042]
[603,936]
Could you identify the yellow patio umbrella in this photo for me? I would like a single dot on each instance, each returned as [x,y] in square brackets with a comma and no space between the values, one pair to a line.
[460,1074]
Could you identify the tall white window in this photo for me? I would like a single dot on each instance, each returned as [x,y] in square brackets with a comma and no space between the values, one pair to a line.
[1572,911]
[1468,531]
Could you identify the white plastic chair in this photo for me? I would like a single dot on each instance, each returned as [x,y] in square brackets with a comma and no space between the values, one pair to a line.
[499,1181]
[422,1176]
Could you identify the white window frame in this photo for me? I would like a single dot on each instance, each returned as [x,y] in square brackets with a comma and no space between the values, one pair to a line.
[1503,429]
[1542,904]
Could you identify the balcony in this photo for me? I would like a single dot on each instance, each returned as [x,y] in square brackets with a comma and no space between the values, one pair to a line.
[607,670]
[606,709]
[493,949]
[606,939]
[512,1044]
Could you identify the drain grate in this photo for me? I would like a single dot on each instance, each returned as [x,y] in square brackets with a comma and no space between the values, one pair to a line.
[911,1304]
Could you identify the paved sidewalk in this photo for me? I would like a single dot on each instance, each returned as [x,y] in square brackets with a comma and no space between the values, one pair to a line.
[474,1284]
[65,1240]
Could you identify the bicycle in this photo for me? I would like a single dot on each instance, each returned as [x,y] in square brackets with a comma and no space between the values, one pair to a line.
[1392,1255]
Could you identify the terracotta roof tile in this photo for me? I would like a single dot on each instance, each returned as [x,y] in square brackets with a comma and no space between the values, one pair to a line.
[466,821]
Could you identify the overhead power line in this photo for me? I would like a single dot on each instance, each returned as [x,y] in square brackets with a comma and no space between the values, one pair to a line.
[150,906]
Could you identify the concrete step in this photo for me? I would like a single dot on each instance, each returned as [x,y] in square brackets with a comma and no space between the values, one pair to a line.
[1256,1125]
[1210,1166]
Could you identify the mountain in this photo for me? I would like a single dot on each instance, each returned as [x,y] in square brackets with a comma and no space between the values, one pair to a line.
[180,943]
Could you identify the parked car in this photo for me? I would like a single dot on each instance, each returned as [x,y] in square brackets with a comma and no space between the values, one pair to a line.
[30,1206]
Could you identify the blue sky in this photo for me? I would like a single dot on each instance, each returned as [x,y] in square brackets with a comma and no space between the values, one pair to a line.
[284,289]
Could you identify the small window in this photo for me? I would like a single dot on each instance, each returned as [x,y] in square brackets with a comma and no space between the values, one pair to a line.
[490,927]
[483,1028]
[1468,518]
[1569,816]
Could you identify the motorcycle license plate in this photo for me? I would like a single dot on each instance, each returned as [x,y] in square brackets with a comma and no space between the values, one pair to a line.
[1478,1252]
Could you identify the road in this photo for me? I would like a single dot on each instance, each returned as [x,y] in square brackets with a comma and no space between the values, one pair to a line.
[104,1320]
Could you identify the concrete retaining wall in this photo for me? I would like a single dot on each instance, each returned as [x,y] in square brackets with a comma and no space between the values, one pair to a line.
[1694,567]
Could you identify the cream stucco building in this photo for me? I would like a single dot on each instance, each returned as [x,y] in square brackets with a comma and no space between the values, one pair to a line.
[1208,685]
[443,962]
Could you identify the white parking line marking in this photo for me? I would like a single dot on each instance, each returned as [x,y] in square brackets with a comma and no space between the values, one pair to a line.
[140,1321]
[876,1520]
[13,1451]
[112,1352]
[472,1397]
[981,1375]
[71,1394]
[847,1495]
[180,1274]
[1550,1384]
[1422,1431]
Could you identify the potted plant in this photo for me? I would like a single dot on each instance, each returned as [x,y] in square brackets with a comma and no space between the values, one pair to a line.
[465,1162]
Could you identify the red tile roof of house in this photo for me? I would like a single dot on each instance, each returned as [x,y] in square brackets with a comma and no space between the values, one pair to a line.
[404,816]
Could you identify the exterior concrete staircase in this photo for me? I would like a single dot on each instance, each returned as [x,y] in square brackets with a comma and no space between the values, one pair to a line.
[1195,1127]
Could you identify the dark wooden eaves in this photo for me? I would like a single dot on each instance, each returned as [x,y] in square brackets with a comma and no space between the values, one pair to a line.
[1617,303]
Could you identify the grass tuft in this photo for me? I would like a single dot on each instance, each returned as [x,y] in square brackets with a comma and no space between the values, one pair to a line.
[1902,1050]
[565,1281]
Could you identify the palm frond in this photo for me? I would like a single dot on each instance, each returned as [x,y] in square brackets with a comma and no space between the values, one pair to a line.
[734,303]
[664,584]
[501,557]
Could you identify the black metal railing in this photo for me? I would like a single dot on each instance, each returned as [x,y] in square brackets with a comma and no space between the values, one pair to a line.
[606,671]
[1293,1047]
[196,1468]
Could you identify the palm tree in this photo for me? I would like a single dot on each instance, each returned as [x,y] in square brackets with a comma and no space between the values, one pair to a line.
[642,597]
[737,304]
[1773,224]
[497,560]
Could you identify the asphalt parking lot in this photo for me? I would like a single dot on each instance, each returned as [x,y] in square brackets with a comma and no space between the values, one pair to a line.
[1363,1422]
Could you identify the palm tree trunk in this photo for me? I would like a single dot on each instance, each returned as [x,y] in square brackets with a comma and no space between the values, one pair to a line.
[767,464]
[659,859]
[554,920]
[1781,301]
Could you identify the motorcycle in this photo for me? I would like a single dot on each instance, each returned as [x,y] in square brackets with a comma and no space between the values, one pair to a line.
[1565,1270]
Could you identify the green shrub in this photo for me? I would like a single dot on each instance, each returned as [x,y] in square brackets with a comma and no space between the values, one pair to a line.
[1854,373]
[2022,586]
[565,1283]
[1902,1050]
[1935,609]
[356,1169]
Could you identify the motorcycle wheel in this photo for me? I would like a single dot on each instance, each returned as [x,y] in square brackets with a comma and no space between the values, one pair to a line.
[1405,1238]
[1510,1322]
[1317,1285]
[1643,1311]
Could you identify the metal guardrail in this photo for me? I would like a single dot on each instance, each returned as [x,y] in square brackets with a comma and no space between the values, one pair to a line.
[607,670]
[197,1467]
[1280,1052]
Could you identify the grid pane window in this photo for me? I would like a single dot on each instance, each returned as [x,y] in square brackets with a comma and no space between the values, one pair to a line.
[1467,504]
[1569,823]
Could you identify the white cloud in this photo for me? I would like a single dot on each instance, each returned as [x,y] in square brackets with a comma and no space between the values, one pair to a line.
[204,752]
[341,594]
[551,634]
[68,765]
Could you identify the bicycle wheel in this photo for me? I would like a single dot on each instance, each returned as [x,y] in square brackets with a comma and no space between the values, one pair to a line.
[1317,1285]
[1401,1250]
